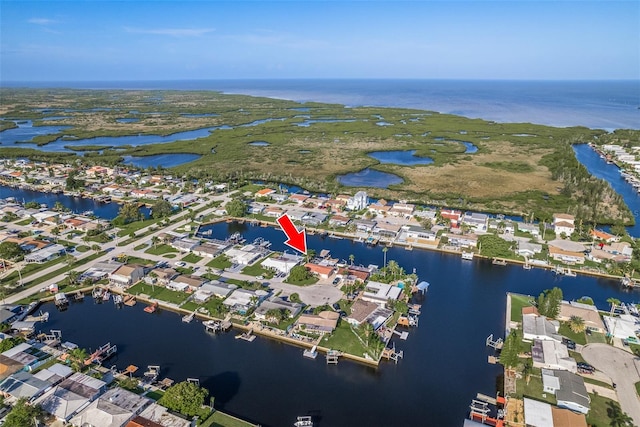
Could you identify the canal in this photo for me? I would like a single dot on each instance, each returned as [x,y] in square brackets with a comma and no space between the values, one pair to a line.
[444,366]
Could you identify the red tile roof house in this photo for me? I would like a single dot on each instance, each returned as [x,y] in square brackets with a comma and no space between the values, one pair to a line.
[264,192]
[452,215]
[299,198]
[322,271]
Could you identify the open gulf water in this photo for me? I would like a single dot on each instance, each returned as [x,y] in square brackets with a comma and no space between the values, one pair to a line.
[445,358]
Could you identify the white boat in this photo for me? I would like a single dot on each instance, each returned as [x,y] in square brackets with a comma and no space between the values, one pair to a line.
[467,255]
[527,266]
[305,421]
[312,353]
[570,273]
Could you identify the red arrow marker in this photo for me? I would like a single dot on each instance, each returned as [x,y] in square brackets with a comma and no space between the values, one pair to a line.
[295,239]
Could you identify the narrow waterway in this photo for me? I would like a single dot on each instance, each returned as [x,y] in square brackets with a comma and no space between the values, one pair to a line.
[611,173]
[445,361]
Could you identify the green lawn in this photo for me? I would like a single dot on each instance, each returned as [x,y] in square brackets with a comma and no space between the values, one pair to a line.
[638,388]
[213,306]
[596,382]
[155,395]
[598,415]
[158,292]
[219,419]
[534,388]
[82,248]
[596,337]
[257,270]
[161,249]
[345,340]
[517,303]
[193,258]
[220,262]
[577,356]
[565,331]
[132,227]
[140,247]
[308,281]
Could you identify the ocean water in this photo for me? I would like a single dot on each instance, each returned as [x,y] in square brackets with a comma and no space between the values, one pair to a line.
[605,105]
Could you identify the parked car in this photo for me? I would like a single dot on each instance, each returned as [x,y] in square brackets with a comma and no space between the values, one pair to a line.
[336,306]
[181,264]
[571,345]
[336,280]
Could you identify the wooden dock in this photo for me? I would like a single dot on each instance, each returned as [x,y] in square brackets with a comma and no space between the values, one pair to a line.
[247,336]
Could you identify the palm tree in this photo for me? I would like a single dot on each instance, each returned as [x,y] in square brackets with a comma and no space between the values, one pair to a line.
[77,357]
[617,416]
[154,241]
[393,267]
[614,302]
[72,277]
[351,258]
[576,324]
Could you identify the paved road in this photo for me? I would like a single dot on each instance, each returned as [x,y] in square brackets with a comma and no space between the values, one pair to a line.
[624,370]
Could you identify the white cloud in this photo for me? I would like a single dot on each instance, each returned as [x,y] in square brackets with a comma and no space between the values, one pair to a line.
[173,32]
[42,21]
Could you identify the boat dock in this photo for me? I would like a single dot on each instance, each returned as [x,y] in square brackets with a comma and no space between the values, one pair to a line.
[247,336]
[311,353]
[151,308]
[61,300]
[332,357]
[129,300]
[101,354]
[392,354]
[187,318]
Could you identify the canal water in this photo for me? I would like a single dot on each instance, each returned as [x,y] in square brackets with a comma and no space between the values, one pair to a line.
[611,173]
[445,358]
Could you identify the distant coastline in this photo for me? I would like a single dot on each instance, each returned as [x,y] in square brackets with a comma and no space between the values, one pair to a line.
[607,105]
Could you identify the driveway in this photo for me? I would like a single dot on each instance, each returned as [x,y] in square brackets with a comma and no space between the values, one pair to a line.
[623,368]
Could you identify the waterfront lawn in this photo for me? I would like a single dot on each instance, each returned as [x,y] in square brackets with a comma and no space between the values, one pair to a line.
[213,306]
[219,419]
[161,250]
[193,258]
[155,394]
[344,339]
[158,292]
[534,389]
[565,331]
[258,270]
[517,303]
[220,262]
[598,415]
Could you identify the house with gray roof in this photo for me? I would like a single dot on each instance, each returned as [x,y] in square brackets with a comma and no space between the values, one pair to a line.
[551,354]
[115,408]
[275,303]
[539,327]
[569,389]
[23,384]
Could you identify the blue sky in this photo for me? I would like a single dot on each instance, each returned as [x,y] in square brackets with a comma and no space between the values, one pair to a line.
[163,40]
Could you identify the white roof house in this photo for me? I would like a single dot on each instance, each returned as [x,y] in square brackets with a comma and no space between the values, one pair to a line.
[551,354]
[380,293]
[283,263]
[115,408]
[241,300]
[243,256]
[45,254]
[538,327]
[623,327]
[537,414]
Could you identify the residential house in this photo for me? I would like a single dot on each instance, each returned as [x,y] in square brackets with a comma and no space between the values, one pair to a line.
[255,208]
[45,254]
[84,385]
[185,283]
[475,221]
[185,244]
[604,236]
[540,328]
[30,356]
[404,210]
[155,415]
[126,275]
[273,211]
[62,403]
[364,225]
[462,240]
[527,249]
[360,311]
[358,202]
[426,214]
[115,408]
[378,209]
[563,223]
[551,354]
[419,235]
[568,388]
[241,300]
[533,229]
[282,263]
[210,249]
[299,198]
[339,221]
[380,293]
[23,385]
[276,303]
[567,257]
[387,230]
[314,219]
[100,270]
[323,323]
[246,255]
[322,271]
[454,216]
[213,289]
[265,192]
[588,313]
[541,414]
